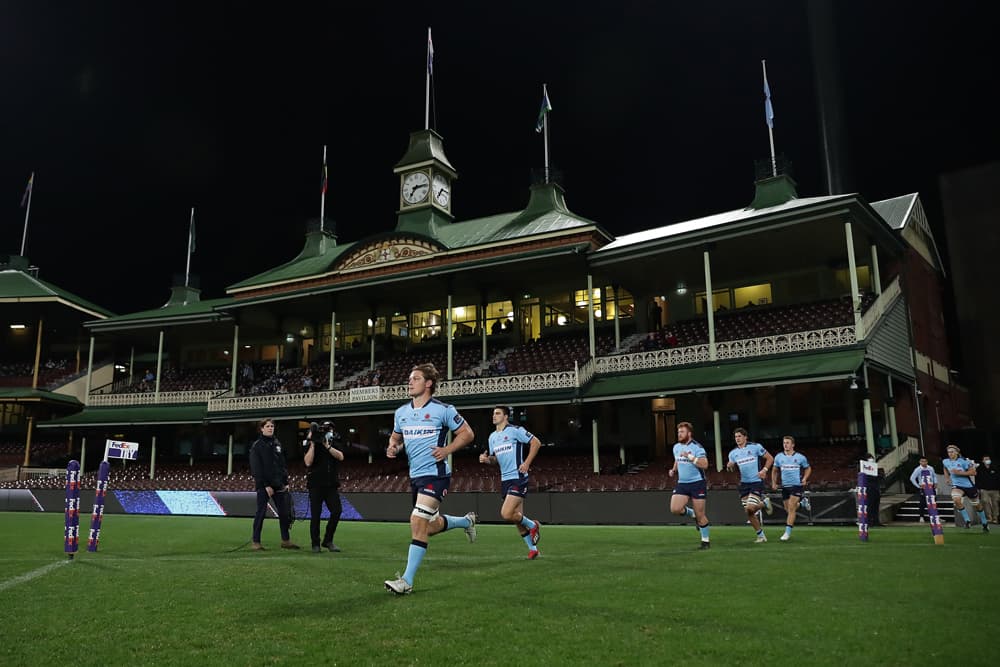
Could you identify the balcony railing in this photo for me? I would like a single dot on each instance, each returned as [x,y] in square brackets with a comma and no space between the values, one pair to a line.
[150,398]
[801,341]
[879,308]
[731,349]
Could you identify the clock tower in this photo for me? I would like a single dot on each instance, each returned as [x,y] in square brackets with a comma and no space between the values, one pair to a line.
[425,182]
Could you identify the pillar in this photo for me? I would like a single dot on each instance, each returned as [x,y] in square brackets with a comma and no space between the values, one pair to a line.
[83,453]
[333,346]
[709,306]
[718,440]
[590,316]
[27,441]
[90,373]
[890,409]
[867,406]
[876,278]
[152,460]
[38,356]
[597,460]
[449,338]
[229,457]
[618,330]
[236,354]
[852,271]
[159,369]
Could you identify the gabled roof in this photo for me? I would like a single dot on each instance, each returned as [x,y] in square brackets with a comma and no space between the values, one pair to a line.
[545,214]
[906,215]
[20,287]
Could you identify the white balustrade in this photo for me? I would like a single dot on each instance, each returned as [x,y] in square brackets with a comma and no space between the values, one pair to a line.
[150,398]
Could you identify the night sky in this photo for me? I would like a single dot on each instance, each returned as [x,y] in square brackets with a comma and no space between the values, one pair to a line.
[131,113]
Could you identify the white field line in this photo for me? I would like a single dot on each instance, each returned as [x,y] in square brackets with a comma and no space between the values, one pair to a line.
[34,574]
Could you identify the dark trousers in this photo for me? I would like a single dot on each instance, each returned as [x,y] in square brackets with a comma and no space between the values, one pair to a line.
[281,506]
[923,504]
[318,496]
[874,501]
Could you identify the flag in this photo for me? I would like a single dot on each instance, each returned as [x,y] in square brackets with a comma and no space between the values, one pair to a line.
[546,108]
[191,243]
[27,190]
[768,109]
[430,53]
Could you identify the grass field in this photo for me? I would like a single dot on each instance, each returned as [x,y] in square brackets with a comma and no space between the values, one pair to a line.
[172,591]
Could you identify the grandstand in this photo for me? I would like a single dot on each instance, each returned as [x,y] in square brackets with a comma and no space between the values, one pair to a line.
[791,315]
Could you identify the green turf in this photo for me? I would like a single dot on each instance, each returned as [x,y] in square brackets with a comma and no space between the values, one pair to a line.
[170,591]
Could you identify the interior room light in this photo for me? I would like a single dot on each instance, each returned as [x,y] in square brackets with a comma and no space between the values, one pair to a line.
[598,313]
[561,320]
[290,338]
[246,347]
[18,326]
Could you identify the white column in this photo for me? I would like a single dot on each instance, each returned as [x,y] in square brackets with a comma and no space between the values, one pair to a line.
[448,337]
[279,351]
[371,334]
[718,440]
[891,412]
[229,457]
[90,372]
[236,352]
[876,278]
[131,362]
[83,453]
[590,315]
[852,270]
[709,305]
[159,369]
[867,406]
[152,460]
[597,460]
[618,330]
[482,318]
[621,453]
[333,346]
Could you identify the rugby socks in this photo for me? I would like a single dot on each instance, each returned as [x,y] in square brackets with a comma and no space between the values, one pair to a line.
[688,512]
[760,533]
[527,523]
[417,551]
[454,522]
[527,540]
[788,530]
[965,515]
[982,517]
[704,532]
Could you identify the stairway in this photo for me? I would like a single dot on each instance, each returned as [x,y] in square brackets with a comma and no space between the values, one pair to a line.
[910,510]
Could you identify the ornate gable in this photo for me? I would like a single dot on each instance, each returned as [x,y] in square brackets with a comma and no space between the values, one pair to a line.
[387,250]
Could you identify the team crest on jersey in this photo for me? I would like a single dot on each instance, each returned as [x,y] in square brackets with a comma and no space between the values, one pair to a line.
[458,419]
[427,416]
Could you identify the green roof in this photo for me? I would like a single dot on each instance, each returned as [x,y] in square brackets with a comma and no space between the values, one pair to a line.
[318,255]
[20,287]
[184,307]
[27,394]
[724,375]
[546,213]
[131,416]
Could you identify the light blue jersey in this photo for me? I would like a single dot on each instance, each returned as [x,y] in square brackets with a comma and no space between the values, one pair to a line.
[687,471]
[423,429]
[959,481]
[791,468]
[748,460]
[506,446]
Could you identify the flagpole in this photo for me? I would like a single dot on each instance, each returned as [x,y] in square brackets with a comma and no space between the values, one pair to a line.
[322,197]
[770,124]
[427,85]
[27,213]
[545,131]
[187,271]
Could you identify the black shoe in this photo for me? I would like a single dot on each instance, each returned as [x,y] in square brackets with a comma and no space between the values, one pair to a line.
[332,547]
[705,545]
[986,528]
[316,549]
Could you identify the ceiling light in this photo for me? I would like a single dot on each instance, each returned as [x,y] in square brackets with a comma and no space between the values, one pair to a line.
[19,326]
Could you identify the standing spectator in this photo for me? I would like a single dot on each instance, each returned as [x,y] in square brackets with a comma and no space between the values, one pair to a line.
[873,486]
[323,482]
[267,463]
[915,480]
[988,481]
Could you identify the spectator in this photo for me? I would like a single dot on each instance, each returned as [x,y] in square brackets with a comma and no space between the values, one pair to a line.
[915,481]
[988,481]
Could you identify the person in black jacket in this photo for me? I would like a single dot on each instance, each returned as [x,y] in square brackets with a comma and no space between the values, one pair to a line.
[322,458]
[267,463]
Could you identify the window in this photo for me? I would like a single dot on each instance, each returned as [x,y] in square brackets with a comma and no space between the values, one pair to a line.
[720,299]
[752,295]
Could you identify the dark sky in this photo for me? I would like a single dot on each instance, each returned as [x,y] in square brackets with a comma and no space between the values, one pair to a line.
[130,113]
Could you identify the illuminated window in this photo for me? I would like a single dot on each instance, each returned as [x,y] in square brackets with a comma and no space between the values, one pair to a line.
[752,295]
[721,298]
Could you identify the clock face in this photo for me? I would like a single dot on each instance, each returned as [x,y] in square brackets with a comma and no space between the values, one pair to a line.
[415,187]
[442,190]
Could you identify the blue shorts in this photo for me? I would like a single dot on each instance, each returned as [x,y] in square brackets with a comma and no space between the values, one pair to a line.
[514,487]
[697,490]
[971,492]
[746,488]
[435,487]
[789,491]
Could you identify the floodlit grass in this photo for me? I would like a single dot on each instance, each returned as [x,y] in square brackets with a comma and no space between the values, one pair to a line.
[179,591]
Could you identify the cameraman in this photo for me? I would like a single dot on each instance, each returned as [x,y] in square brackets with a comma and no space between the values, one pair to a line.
[323,481]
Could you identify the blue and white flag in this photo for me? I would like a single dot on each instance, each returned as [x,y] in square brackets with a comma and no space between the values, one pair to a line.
[544,111]
[768,109]
[118,449]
